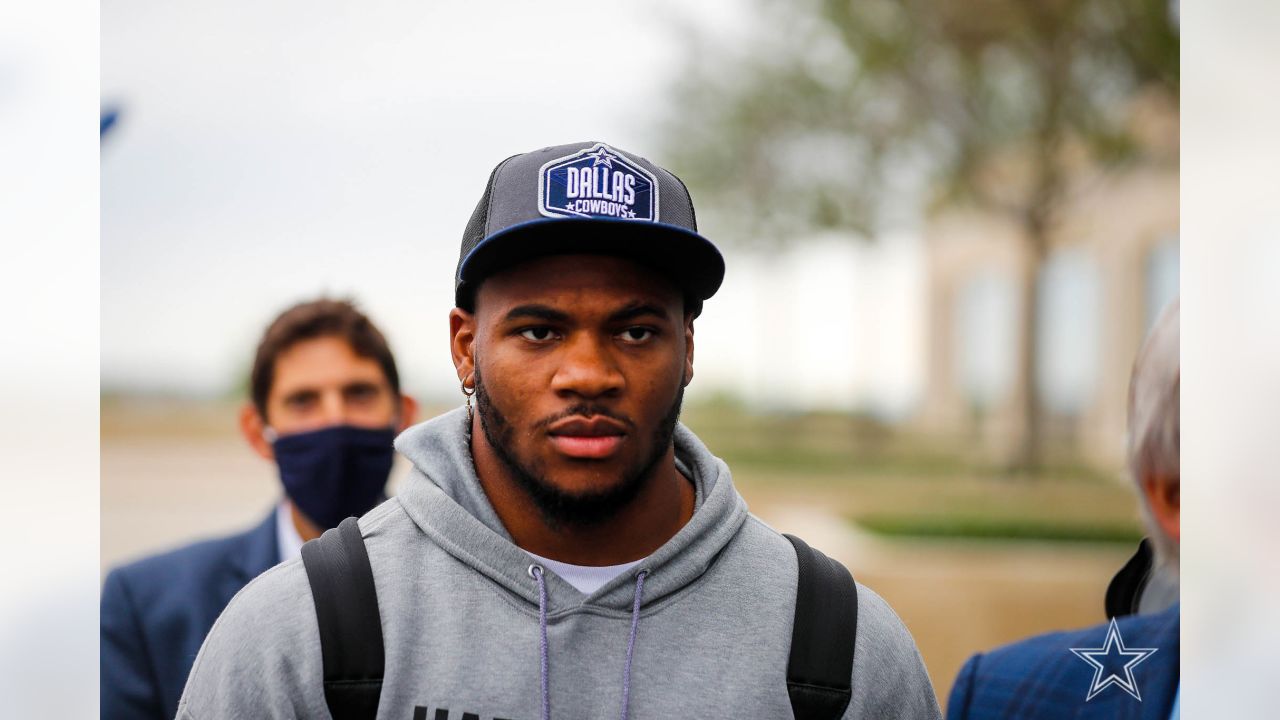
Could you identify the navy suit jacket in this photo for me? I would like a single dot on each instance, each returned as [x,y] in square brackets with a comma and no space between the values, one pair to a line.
[157,611]
[1041,677]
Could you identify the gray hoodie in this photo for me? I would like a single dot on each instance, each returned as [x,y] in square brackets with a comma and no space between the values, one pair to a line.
[469,635]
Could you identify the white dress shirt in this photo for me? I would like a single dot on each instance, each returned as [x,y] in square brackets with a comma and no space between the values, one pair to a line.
[287,537]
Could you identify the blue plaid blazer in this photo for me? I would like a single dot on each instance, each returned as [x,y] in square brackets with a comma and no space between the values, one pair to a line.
[1041,678]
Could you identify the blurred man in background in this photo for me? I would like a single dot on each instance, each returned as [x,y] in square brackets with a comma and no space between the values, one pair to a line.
[325,407]
[1130,667]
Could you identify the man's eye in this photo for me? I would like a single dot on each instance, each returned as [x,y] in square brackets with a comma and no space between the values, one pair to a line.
[637,334]
[536,334]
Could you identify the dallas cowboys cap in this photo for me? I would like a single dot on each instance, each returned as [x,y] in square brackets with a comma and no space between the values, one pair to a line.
[586,198]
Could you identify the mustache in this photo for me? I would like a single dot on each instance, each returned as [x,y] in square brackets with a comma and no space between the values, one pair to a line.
[585,411]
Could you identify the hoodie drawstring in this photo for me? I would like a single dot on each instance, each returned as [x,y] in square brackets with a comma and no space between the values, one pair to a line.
[536,572]
[631,644]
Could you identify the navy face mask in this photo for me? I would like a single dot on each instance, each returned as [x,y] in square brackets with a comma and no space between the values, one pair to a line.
[336,472]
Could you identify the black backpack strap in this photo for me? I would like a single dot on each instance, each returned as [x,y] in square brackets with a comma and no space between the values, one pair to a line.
[820,671]
[346,601]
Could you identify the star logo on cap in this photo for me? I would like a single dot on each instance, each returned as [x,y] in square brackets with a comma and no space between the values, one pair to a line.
[1112,654]
[601,157]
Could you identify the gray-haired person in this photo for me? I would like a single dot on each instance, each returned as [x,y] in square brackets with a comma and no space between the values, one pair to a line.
[1129,667]
[1148,582]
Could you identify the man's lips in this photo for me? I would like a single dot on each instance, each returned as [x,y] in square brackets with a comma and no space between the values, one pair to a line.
[593,438]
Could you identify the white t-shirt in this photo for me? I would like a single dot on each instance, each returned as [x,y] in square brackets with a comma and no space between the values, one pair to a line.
[586,578]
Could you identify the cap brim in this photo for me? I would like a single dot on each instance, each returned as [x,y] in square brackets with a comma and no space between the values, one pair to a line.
[691,261]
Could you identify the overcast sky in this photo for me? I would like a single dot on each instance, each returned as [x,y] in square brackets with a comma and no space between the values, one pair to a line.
[267,152]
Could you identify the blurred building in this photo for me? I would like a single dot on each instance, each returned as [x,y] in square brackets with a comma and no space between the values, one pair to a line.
[1112,265]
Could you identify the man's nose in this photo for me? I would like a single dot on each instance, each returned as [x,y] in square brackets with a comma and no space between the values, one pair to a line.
[333,408]
[588,369]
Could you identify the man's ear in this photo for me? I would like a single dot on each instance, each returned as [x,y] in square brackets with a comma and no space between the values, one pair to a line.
[1163,497]
[408,412]
[251,427]
[462,342]
[688,349]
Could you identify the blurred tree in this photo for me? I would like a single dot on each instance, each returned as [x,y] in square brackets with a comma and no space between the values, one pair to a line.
[844,114]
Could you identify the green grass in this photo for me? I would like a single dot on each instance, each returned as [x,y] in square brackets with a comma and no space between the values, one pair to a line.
[825,445]
[903,485]
[999,528]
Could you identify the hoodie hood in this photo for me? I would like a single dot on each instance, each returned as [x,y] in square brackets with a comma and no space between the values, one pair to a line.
[444,499]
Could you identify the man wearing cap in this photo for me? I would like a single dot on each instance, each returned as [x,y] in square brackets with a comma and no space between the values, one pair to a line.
[563,547]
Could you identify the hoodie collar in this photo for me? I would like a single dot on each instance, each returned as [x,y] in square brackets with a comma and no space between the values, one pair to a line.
[444,499]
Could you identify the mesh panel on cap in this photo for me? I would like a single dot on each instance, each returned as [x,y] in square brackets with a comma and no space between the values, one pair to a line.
[475,231]
[688,201]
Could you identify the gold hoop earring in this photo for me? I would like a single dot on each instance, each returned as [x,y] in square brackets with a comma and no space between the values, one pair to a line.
[467,392]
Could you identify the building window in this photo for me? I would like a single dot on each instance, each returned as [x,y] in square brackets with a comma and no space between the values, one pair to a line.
[985,331]
[1161,286]
[1068,329]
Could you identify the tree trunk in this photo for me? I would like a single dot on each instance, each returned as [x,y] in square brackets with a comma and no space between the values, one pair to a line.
[1042,205]
[1028,455]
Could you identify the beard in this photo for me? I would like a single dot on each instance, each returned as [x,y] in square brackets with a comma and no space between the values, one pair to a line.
[576,509]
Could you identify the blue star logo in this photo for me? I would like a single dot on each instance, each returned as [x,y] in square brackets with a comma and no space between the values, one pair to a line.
[601,157]
[1112,655]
